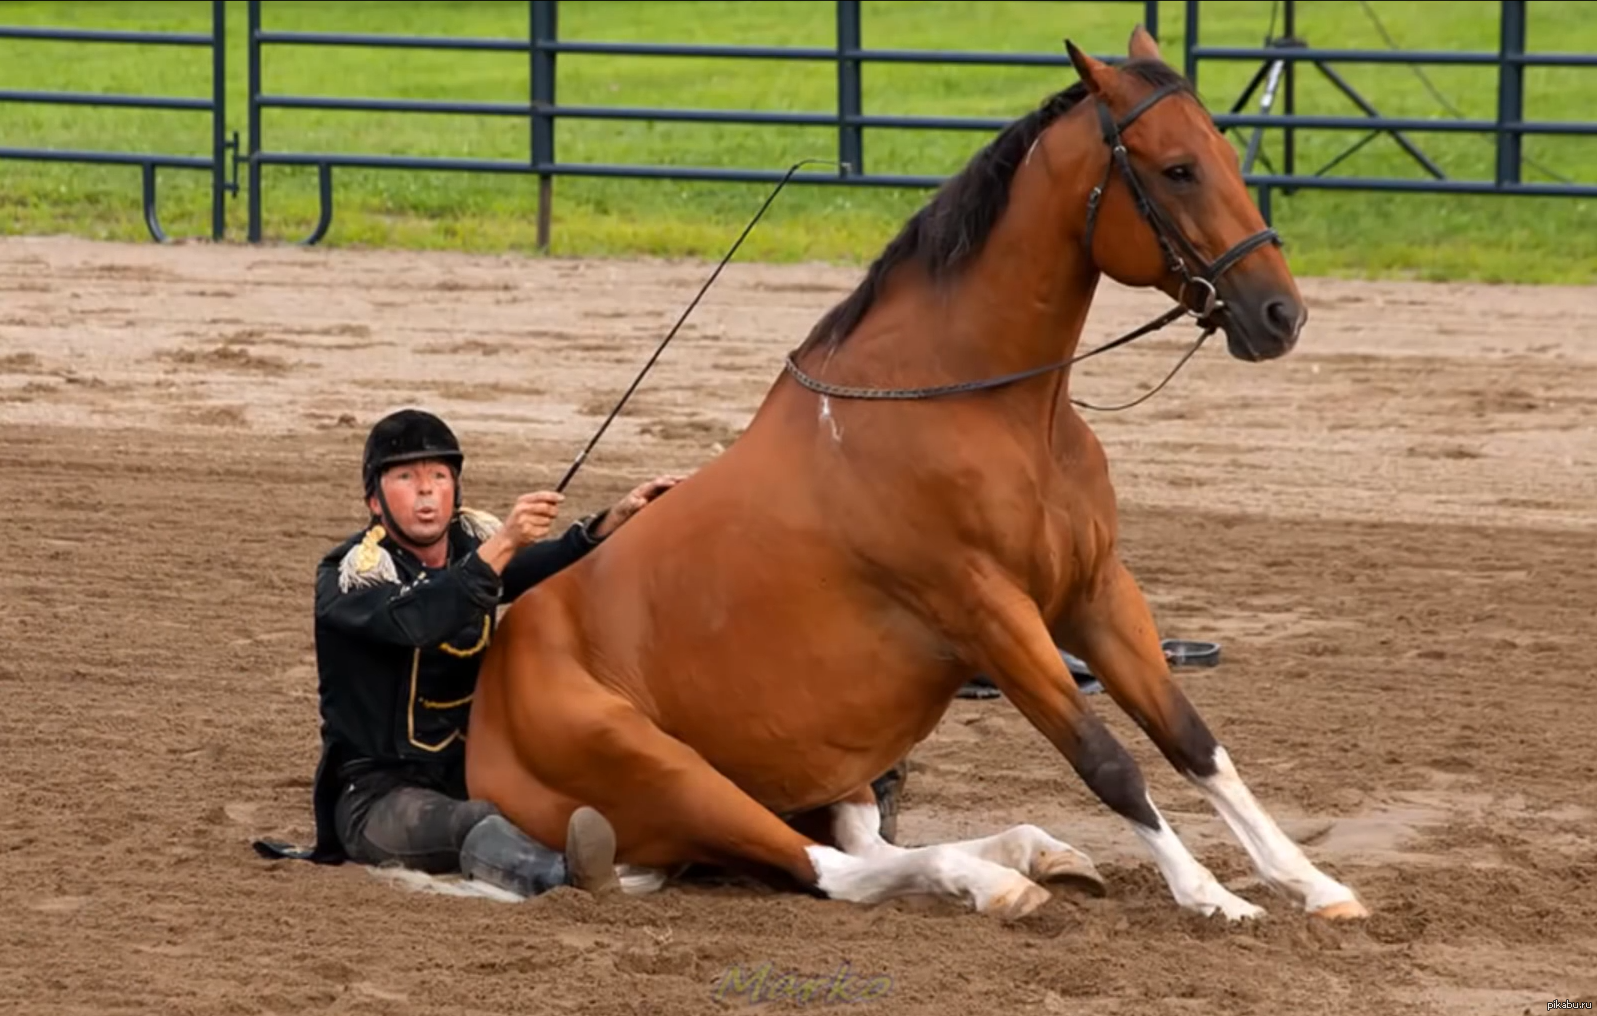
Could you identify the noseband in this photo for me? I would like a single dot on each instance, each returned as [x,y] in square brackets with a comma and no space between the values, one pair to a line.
[1203,277]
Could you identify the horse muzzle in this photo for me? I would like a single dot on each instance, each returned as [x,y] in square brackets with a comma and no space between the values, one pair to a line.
[1258,326]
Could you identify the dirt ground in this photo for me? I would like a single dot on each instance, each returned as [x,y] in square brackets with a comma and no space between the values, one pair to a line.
[1390,533]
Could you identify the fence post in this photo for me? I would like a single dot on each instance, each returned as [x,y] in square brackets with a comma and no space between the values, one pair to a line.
[254,118]
[1510,89]
[1190,43]
[544,16]
[1150,18]
[850,136]
[218,119]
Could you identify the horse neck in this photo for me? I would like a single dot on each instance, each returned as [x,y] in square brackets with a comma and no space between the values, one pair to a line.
[1026,297]
[1020,303]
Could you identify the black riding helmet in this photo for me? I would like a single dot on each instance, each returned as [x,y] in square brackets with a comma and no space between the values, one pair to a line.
[408,435]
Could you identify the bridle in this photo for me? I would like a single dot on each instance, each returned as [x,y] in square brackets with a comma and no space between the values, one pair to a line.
[1196,274]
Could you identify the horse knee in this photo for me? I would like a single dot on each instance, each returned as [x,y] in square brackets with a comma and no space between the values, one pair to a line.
[1109,771]
[1182,736]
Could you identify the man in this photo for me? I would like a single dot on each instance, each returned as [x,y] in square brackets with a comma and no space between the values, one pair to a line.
[404,610]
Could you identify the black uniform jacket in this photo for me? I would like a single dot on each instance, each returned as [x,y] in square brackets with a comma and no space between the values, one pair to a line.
[398,646]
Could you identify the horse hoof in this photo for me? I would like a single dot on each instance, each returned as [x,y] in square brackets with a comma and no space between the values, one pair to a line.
[1013,904]
[1347,910]
[1070,867]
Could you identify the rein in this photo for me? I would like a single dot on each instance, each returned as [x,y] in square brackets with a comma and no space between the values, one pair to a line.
[1163,228]
[1149,209]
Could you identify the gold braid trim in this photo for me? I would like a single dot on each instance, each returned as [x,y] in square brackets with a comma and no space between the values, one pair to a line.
[482,643]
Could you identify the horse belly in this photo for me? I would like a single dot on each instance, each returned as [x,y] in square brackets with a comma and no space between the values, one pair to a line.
[795,680]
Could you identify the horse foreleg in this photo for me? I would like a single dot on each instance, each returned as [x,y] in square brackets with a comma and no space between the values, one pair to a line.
[1013,646]
[1119,642]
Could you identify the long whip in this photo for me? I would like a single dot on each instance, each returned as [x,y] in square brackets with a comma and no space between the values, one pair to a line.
[581,458]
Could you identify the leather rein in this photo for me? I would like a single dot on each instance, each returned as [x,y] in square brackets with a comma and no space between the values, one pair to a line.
[1170,237]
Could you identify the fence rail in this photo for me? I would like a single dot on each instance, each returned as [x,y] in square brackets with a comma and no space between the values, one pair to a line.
[216,163]
[1280,63]
[543,46]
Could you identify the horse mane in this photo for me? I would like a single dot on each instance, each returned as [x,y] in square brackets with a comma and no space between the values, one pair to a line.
[954,225]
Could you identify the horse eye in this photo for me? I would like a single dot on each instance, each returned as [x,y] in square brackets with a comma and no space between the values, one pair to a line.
[1180,174]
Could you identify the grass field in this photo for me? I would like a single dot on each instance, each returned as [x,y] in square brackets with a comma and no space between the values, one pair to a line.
[1357,234]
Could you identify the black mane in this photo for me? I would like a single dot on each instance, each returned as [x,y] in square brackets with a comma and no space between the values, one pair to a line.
[955,223]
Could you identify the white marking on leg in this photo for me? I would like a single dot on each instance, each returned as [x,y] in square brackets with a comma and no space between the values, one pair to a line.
[1026,849]
[1279,861]
[1193,886]
[858,829]
[1031,851]
[923,871]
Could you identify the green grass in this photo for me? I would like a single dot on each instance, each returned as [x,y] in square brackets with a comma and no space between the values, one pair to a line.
[1357,234]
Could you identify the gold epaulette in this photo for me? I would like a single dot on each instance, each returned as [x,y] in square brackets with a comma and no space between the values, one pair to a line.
[483,525]
[367,563]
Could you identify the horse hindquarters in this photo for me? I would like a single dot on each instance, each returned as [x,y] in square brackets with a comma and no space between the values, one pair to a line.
[547,737]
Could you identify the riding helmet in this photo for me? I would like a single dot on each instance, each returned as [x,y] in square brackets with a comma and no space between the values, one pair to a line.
[407,436]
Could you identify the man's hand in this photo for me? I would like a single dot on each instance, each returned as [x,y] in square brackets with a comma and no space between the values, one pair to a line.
[532,517]
[530,520]
[634,502]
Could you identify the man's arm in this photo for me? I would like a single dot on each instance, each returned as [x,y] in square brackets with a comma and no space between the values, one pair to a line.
[537,561]
[372,602]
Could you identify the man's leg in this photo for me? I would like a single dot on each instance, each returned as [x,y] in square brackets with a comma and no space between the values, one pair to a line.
[430,831]
[415,827]
[499,853]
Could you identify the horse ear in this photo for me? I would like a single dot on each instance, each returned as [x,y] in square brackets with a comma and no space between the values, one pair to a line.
[1143,46]
[1094,73]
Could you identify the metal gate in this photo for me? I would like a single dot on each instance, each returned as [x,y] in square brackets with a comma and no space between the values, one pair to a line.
[1280,62]
[543,45]
[149,163]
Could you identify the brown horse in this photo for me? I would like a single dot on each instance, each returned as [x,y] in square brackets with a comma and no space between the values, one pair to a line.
[747,654]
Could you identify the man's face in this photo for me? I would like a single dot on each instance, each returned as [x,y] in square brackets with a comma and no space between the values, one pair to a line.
[421,498]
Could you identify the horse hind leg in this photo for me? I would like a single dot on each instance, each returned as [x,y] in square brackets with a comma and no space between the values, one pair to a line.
[669,807]
[866,868]
[1027,849]
[1119,643]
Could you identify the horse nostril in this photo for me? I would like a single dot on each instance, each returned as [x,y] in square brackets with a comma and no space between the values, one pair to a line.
[1281,317]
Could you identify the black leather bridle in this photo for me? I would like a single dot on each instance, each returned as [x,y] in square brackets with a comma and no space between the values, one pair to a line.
[1195,272]
[1163,228]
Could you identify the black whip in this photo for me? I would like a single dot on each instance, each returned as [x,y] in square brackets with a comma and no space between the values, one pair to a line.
[580,459]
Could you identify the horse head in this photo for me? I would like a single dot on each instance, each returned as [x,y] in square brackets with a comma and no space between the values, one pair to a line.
[1172,210]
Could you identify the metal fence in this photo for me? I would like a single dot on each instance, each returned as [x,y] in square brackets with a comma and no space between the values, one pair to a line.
[216,163]
[543,47]
[1280,61]
[1282,57]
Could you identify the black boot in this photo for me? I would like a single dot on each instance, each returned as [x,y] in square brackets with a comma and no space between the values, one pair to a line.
[497,852]
[889,787]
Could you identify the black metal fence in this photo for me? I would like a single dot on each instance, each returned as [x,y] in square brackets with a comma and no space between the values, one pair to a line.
[543,46]
[1280,61]
[216,163]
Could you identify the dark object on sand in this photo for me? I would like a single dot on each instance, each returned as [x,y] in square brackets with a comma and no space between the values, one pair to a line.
[1177,652]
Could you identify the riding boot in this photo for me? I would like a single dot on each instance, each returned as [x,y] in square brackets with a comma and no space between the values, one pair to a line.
[497,852]
[889,787]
